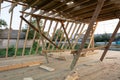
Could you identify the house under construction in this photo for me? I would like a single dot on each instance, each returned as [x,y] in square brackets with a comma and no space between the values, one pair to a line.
[71,17]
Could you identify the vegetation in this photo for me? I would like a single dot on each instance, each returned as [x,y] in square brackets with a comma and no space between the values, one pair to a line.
[11,51]
[102,38]
[3,23]
[31,32]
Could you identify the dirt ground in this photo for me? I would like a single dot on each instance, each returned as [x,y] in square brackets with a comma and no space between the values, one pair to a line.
[88,68]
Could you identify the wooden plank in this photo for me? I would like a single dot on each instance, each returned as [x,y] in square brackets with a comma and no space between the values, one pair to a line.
[20,65]
[110,41]
[94,18]
[44,17]
[47,68]
[73,51]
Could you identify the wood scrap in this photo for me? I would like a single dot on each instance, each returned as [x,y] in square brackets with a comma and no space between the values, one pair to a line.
[111,57]
[47,68]
[19,65]
[61,58]
[29,78]
[72,76]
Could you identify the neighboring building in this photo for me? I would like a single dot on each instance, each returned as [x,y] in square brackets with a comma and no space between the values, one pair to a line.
[13,35]
[13,38]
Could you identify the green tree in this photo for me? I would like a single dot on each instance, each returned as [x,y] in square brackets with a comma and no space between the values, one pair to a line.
[3,23]
[31,32]
[102,38]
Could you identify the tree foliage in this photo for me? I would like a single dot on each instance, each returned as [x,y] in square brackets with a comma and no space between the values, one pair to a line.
[31,31]
[102,38]
[3,23]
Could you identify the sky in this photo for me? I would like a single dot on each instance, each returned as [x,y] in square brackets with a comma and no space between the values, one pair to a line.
[103,27]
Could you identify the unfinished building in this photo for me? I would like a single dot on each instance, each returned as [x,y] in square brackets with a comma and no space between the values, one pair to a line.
[69,16]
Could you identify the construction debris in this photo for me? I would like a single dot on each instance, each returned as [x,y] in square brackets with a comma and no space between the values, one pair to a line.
[47,68]
[72,76]
[29,78]
[61,58]
[111,57]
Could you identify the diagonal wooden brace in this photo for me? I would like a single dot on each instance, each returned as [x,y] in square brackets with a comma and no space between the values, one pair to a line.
[66,34]
[32,26]
[110,41]
[90,27]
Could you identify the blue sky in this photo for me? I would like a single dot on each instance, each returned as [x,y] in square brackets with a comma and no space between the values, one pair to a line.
[103,27]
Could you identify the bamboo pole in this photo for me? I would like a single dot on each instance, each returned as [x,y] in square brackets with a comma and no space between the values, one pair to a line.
[91,43]
[9,33]
[78,38]
[33,42]
[76,34]
[57,37]
[42,38]
[38,45]
[68,34]
[26,36]
[17,42]
[39,40]
[77,30]
[72,33]
[62,36]
[92,35]
[44,24]
[93,19]
[53,34]
[48,31]
[110,41]
[71,36]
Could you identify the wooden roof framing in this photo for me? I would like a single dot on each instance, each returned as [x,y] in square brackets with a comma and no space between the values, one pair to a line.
[78,10]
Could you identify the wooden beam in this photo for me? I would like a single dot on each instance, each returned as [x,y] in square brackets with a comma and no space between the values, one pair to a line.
[42,38]
[73,51]
[62,35]
[38,31]
[79,35]
[19,65]
[53,34]
[94,18]
[44,17]
[9,33]
[32,42]
[66,35]
[110,41]
[18,36]
[26,37]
